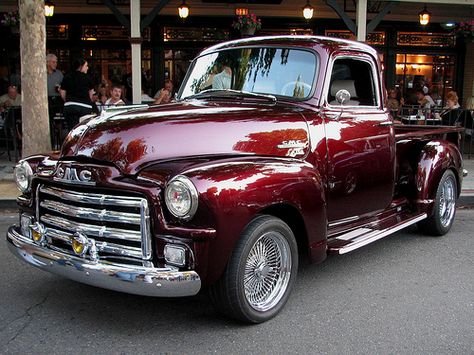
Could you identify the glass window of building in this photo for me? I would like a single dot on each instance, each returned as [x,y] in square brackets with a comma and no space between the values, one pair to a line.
[434,74]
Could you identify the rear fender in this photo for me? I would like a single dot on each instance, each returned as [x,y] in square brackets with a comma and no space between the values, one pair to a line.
[235,192]
[436,157]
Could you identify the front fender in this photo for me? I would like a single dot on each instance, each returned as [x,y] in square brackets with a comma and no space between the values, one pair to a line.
[435,157]
[234,192]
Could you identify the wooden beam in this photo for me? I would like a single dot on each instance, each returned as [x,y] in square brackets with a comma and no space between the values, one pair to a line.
[153,13]
[120,17]
[376,20]
[340,11]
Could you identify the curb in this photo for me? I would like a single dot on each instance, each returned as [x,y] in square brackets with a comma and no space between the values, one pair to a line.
[466,201]
[8,204]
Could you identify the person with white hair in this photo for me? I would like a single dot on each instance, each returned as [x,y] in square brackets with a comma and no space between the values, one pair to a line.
[55,77]
[55,101]
[10,99]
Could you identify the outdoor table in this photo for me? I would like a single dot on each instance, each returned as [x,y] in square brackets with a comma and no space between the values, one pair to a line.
[420,120]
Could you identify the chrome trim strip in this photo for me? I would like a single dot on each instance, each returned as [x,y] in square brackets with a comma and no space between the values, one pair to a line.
[376,235]
[72,182]
[93,230]
[193,193]
[342,221]
[139,280]
[91,213]
[145,230]
[98,199]
[37,203]
[121,250]
[23,200]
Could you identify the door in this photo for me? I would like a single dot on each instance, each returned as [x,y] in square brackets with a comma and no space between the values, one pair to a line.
[360,140]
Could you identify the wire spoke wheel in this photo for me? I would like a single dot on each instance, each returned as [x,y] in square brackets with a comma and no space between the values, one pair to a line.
[260,273]
[267,271]
[440,221]
[447,203]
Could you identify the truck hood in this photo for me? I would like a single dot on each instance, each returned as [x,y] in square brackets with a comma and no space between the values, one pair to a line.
[132,140]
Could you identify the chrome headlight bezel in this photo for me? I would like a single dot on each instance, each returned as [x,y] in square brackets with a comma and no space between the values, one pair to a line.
[23,175]
[183,183]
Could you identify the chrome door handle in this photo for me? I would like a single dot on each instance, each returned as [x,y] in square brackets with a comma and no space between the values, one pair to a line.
[386,123]
[333,116]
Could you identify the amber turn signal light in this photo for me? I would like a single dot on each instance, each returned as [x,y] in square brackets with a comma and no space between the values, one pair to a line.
[80,244]
[38,232]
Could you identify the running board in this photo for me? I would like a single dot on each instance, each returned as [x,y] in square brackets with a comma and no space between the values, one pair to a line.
[347,242]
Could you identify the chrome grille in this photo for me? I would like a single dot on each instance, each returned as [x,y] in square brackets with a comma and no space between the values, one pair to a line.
[118,225]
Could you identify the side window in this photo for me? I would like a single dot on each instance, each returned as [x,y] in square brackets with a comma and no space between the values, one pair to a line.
[355,76]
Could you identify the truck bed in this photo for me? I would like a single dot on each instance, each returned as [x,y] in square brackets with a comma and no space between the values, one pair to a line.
[403,132]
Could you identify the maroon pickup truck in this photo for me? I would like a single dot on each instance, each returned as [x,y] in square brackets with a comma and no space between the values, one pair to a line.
[275,147]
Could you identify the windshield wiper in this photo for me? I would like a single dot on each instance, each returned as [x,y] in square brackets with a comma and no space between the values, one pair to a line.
[229,92]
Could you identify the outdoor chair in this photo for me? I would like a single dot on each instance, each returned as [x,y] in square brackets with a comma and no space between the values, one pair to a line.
[10,136]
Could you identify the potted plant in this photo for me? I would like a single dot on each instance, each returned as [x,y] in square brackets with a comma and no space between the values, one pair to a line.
[247,24]
[465,30]
[11,20]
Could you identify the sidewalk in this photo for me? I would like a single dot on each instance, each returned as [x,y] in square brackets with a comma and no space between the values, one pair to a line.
[9,191]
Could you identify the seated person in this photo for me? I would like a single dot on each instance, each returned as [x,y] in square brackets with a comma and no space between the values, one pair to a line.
[164,95]
[424,100]
[103,94]
[207,84]
[145,98]
[115,96]
[451,114]
[223,80]
[392,103]
[11,98]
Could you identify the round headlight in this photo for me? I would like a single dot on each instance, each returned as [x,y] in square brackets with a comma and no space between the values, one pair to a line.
[23,175]
[181,197]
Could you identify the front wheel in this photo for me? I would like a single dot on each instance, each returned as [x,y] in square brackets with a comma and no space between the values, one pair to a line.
[440,222]
[260,273]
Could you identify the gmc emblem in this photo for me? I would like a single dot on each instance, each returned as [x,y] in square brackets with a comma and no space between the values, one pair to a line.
[72,176]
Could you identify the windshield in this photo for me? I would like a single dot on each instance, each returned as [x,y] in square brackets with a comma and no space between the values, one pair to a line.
[274,71]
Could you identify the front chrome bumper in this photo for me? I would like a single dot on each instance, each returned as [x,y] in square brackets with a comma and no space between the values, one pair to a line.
[146,281]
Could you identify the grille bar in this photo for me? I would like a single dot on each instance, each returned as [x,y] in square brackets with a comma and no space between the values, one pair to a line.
[92,198]
[92,213]
[106,247]
[90,229]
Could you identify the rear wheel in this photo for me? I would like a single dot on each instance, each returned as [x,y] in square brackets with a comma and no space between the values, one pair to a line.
[260,273]
[440,222]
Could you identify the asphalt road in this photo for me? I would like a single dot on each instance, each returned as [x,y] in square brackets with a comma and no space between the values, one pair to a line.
[406,294]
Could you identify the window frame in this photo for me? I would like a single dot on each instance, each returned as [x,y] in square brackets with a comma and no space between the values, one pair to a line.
[375,77]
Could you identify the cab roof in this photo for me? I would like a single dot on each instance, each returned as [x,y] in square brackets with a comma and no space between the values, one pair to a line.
[328,43]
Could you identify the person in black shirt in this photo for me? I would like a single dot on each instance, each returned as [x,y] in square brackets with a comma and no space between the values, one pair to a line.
[76,91]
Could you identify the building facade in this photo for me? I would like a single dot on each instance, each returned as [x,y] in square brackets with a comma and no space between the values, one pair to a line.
[413,55]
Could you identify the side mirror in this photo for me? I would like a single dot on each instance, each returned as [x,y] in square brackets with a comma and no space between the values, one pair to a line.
[343,96]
